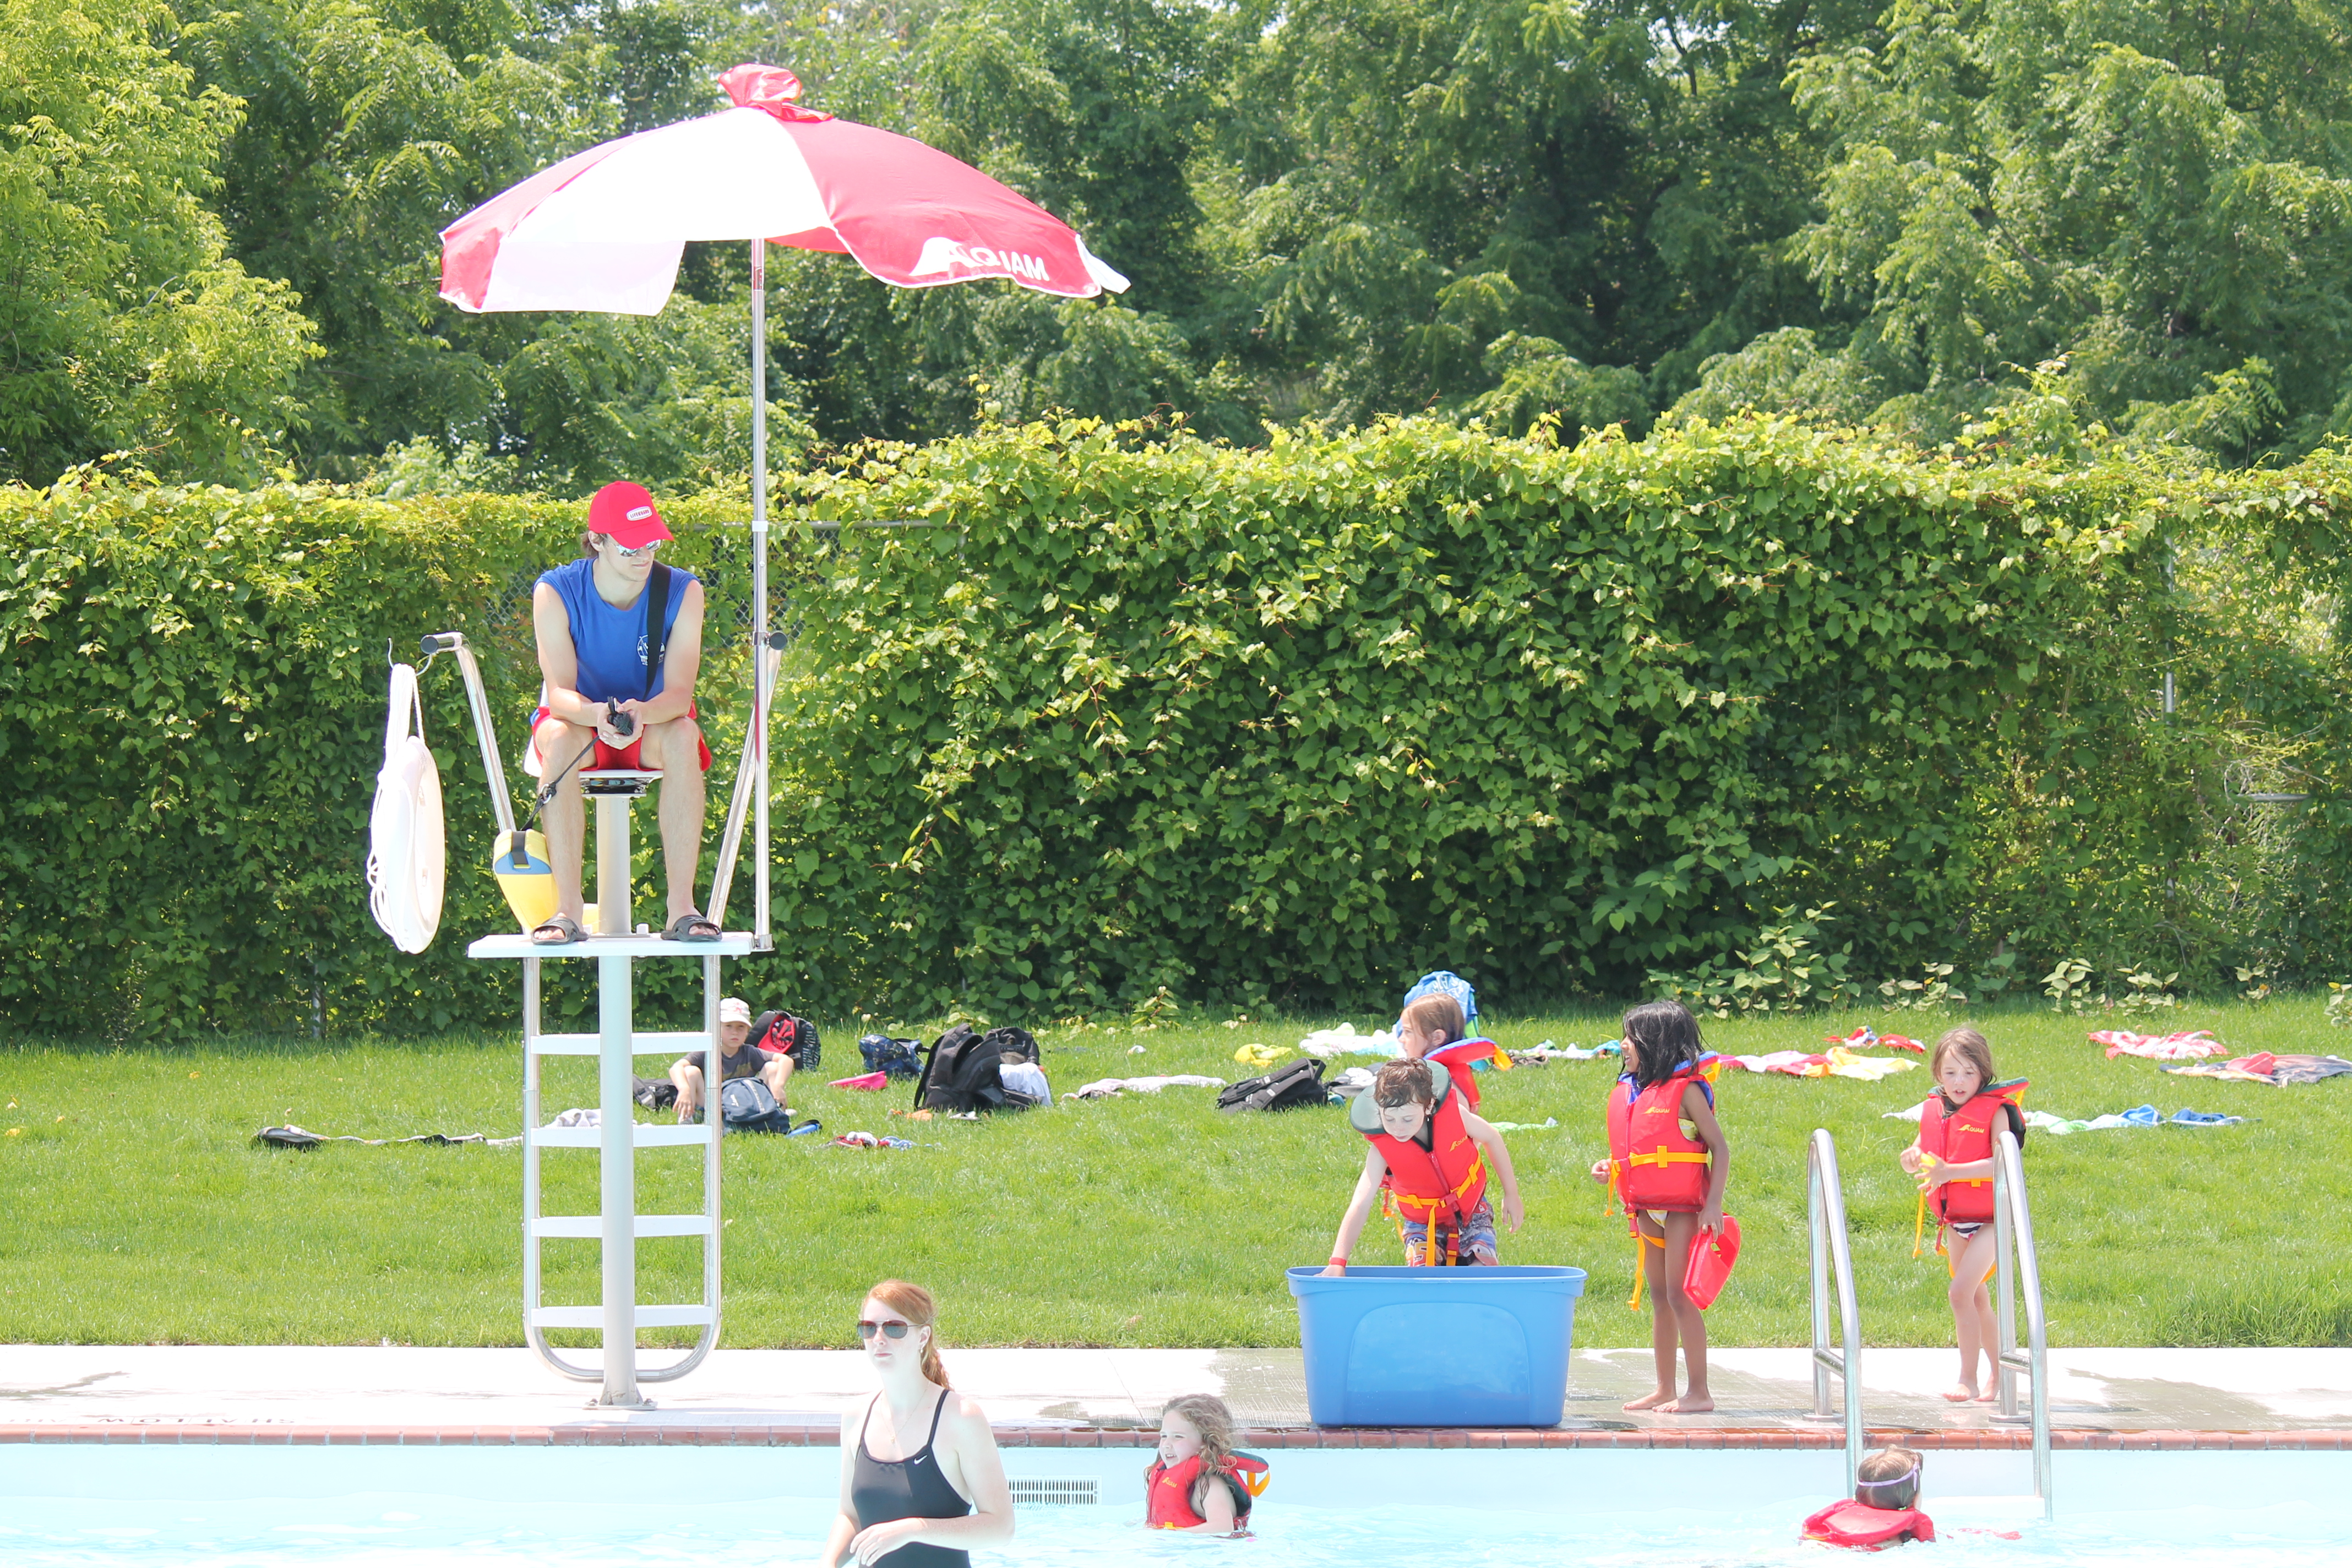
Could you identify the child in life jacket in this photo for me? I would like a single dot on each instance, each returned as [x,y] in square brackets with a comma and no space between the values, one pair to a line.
[1952,1162]
[1668,1163]
[1884,1511]
[1432,1156]
[1431,1029]
[1201,1483]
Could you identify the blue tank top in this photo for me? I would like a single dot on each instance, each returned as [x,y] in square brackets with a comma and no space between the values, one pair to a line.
[612,645]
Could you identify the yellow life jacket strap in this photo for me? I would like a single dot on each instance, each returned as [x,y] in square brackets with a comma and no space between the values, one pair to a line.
[1640,1259]
[1670,1157]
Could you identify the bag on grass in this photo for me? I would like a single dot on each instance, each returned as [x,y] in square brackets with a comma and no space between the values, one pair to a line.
[796,1038]
[900,1058]
[654,1093]
[749,1106]
[965,1071]
[1284,1088]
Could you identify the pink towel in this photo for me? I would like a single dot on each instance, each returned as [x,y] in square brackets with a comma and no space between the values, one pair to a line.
[2192,1046]
[863,1080]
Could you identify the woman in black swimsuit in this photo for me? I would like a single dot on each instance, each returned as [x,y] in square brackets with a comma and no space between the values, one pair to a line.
[943,1491]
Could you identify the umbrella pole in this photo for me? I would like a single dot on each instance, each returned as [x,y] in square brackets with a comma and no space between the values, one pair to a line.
[760,668]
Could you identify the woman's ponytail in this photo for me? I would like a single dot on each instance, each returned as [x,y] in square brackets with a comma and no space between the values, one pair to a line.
[914,1304]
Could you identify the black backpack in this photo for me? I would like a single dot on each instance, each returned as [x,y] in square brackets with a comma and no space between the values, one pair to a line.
[900,1058]
[1285,1087]
[964,1072]
[796,1038]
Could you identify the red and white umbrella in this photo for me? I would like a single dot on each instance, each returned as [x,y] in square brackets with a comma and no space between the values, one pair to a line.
[605,229]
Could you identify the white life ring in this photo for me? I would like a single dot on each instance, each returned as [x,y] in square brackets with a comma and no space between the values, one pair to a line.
[406,852]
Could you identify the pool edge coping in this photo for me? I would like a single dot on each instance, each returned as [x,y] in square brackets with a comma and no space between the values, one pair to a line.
[827,1435]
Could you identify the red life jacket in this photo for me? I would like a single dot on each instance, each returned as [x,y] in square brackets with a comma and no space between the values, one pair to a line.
[1441,1184]
[1457,1059]
[1962,1137]
[1653,1162]
[1847,1523]
[1168,1490]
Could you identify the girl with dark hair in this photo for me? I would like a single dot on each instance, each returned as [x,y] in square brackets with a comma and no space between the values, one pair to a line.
[1668,1161]
[945,1492]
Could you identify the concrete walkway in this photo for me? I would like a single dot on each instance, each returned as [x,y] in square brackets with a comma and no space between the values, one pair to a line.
[66,1390]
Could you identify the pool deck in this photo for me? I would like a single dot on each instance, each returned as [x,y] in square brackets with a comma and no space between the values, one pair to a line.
[2169,1399]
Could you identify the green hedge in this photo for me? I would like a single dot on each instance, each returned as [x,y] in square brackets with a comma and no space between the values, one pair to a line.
[1288,724]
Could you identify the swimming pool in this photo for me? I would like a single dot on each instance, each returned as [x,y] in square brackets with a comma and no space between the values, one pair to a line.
[83,1506]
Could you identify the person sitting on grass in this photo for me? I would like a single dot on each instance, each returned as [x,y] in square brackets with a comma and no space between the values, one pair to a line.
[1432,1154]
[607,701]
[736,1059]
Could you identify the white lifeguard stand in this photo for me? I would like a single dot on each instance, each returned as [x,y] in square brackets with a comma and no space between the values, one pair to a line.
[616,947]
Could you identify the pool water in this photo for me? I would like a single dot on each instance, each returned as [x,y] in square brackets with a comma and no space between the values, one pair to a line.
[132,1507]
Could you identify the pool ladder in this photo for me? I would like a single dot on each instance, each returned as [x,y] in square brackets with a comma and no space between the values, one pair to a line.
[2018,1269]
[2013,1228]
[1832,1264]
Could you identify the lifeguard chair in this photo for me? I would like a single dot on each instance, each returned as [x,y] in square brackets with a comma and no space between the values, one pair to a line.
[616,944]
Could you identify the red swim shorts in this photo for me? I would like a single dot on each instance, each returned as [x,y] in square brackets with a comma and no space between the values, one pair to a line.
[608,757]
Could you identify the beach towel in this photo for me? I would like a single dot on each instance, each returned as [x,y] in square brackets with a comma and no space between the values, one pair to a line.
[2190,1046]
[2267,1068]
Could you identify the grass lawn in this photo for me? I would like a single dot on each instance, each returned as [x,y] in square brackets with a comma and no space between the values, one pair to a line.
[137,1209]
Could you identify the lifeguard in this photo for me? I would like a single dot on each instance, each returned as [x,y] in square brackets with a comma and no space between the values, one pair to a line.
[620,647]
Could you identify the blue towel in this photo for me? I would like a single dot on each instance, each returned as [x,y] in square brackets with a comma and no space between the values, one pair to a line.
[2203,1119]
[2142,1116]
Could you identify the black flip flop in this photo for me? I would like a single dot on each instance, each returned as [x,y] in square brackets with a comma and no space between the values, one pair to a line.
[682,929]
[567,931]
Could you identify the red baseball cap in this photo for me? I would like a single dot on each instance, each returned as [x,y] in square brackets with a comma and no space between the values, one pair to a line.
[624,513]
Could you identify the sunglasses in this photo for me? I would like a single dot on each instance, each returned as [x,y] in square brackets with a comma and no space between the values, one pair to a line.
[867,1330]
[644,550]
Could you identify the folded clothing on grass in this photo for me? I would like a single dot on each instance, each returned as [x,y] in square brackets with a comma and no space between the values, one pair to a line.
[2267,1068]
[1837,1061]
[1103,1087]
[2189,1046]
[1344,1041]
[291,1137]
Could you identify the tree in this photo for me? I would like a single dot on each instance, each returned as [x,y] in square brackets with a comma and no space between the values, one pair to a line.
[124,325]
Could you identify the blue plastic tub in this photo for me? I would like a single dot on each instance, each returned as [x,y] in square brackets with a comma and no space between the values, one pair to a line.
[1437,1347]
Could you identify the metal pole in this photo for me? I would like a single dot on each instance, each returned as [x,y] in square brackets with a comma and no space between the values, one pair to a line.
[714,1116]
[616,1164]
[759,585]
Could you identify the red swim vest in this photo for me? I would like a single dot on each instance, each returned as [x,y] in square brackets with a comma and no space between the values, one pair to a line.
[1962,1137]
[1168,1490]
[1653,1162]
[1441,1184]
[1850,1523]
[1458,1058]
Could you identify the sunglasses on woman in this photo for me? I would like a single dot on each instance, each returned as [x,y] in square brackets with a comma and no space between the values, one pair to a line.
[867,1330]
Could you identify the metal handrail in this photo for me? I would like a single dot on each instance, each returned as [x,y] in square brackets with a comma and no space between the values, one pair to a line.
[2013,1222]
[1832,1258]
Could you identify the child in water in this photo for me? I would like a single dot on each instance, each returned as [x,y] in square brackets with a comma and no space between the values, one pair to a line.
[1884,1509]
[1199,1483]
[1952,1162]
[1668,1163]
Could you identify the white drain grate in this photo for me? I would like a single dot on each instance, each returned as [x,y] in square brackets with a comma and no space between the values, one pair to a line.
[1058,1491]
